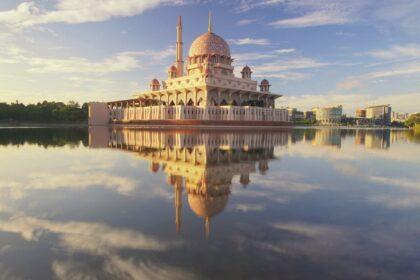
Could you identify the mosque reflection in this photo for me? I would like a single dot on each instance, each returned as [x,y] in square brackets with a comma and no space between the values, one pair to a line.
[200,164]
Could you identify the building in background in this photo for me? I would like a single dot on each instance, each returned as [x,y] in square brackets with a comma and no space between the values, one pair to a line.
[295,115]
[309,115]
[399,117]
[328,115]
[361,113]
[379,114]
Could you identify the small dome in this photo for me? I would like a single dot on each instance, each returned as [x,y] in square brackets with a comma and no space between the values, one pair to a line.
[172,69]
[265,82]
[209,43]
[207,206]
[154,82]
[246,69]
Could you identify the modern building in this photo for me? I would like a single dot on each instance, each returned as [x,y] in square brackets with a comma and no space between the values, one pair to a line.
[399,117]
[295,115]
[328,115]
[379,114]
[203,91]
[309,115]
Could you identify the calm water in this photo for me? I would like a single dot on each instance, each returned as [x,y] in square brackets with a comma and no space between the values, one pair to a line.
[138,204]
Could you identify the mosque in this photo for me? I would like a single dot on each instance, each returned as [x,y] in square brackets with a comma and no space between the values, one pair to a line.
[202,166]
[205,91]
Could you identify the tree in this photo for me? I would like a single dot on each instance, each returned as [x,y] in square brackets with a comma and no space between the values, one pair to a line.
[413,120]
[44,112]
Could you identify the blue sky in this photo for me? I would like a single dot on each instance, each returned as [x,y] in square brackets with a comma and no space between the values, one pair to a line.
[318,52]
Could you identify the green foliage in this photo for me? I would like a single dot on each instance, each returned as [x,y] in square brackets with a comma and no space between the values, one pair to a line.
[44,112]
[413,120]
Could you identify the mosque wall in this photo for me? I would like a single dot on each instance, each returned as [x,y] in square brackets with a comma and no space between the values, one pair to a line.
[180,112]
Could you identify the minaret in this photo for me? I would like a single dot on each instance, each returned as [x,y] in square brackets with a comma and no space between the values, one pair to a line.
[179,60]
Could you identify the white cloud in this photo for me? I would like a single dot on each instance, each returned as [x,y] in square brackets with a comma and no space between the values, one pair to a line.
[244,207]
[120,62]
[249,41]
[78,11]
[349,83]
[317,18]
[246,21]
[290,64]
[398,52]
[285,51]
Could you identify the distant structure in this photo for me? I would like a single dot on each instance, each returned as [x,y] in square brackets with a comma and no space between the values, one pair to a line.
[360,113]
[328,115]
[379,114]
[203,91]
[295,115]
[399,117]
[309,115]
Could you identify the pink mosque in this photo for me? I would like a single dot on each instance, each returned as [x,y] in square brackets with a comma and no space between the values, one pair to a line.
[203,91]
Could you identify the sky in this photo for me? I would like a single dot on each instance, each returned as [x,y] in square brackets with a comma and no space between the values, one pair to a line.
[314,52]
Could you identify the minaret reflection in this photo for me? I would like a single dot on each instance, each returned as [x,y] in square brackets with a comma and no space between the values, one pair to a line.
[204,164]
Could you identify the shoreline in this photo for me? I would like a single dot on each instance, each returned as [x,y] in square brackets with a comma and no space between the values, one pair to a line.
[10,125]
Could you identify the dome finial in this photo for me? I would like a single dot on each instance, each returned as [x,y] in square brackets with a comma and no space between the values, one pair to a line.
[209,27]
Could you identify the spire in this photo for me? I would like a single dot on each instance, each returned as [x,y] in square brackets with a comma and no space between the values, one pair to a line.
[179,60]
[209,27]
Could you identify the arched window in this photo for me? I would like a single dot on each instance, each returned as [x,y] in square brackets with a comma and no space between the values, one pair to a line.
[190,102]
[223,103]
[172,103]
[181,103]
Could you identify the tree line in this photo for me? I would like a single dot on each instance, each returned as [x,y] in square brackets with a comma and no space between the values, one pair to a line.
[44,112]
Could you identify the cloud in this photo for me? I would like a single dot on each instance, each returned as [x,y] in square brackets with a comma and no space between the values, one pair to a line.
[287,68]
[93,238]
[243,207]
[119,62]
[397,52]
[246,21]
[281,51]
[99,240]
[408,69]
[249,41]
[349,84]
[78,11]
[318,18]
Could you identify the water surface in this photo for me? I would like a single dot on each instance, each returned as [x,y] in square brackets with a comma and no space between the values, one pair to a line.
[150,204]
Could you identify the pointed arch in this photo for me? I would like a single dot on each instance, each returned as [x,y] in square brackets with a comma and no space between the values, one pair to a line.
[213,102]
[200,100]
[190,102]
[233,103]
[172,103]
[223,103]
[181,102]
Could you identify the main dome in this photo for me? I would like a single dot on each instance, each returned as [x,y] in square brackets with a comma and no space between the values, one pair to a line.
[209,43]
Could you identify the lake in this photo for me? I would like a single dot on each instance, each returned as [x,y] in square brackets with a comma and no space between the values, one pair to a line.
[99,203]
